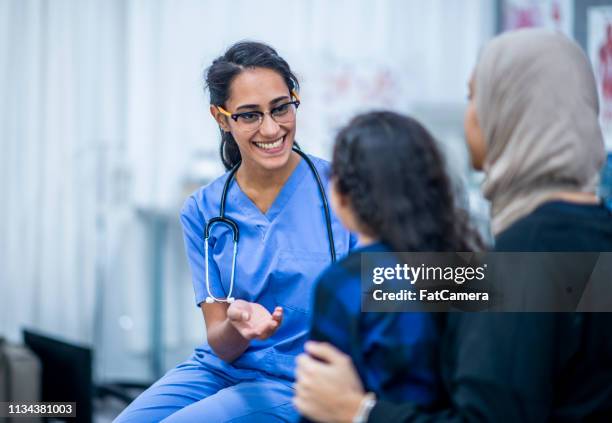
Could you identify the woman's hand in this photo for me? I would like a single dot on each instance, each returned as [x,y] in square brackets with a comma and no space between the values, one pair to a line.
[253,321]
[327,388]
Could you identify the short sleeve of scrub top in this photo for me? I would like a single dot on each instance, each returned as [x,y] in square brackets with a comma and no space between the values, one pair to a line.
[280,255]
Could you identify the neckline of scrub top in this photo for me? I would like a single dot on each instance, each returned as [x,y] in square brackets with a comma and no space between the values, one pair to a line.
[283,196]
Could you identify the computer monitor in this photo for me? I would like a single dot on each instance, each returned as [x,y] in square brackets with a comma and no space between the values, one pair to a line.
[66,372]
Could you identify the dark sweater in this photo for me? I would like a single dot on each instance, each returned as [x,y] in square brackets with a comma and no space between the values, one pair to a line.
[527,367]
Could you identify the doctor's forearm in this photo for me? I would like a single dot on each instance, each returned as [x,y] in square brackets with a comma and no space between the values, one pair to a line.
[226,341]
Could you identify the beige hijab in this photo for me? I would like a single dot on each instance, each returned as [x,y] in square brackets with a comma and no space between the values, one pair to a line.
[537,105]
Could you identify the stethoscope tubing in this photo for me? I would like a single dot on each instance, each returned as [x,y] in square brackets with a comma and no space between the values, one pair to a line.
[223,220]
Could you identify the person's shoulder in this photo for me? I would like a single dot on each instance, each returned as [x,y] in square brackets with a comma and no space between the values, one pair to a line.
[322,165]
[341,275]
[340,284]
[348,269]
[345,267]
[520,235]
[205,197]
[213,187]
[559,226]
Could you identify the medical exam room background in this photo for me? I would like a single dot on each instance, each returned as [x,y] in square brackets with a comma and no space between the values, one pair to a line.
[105,130]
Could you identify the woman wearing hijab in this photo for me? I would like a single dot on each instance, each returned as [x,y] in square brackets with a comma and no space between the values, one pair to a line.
[532,126]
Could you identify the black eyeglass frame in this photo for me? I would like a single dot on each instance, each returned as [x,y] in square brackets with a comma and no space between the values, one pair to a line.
[236,116]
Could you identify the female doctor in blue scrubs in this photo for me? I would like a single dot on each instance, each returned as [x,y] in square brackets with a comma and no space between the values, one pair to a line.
[244,372]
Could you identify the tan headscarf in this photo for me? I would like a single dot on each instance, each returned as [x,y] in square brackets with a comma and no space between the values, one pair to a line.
[536,102]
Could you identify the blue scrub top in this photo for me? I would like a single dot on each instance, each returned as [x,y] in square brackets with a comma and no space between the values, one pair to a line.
[280,255]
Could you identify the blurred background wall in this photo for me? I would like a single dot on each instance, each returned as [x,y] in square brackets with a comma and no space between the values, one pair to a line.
[105,130]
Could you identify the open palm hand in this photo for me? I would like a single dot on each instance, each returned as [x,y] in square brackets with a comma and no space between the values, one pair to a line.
[253,320]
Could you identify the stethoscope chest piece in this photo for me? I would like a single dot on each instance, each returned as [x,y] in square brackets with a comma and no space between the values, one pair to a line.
[229,300]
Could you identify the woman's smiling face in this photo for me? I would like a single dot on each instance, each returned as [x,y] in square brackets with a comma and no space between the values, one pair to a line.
[269,145]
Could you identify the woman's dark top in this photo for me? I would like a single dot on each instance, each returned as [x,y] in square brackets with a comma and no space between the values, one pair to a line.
[527,367]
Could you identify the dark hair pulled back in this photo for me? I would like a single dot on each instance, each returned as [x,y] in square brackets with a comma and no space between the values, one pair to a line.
[394,175]
[219,76]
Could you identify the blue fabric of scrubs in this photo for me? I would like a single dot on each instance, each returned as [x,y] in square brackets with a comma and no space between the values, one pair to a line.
[280,255]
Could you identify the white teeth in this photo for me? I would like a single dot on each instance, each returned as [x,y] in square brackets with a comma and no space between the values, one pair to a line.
[269,145]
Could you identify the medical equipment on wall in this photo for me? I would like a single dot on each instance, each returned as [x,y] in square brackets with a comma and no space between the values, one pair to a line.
[222,219]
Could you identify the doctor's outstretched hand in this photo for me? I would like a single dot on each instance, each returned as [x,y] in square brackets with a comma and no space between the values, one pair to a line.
[254,321]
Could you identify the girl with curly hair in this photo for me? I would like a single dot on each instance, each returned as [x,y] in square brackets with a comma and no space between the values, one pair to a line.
[389,185]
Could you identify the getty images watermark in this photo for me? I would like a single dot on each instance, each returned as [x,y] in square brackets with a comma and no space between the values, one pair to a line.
[512,282]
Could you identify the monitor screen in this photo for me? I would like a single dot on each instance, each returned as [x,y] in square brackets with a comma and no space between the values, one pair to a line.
[66,372]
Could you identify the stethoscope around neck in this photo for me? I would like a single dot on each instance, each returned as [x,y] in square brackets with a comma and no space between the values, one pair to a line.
[233,226]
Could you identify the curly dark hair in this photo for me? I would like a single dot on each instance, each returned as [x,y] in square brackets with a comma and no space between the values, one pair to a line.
[219,76]
[395,178]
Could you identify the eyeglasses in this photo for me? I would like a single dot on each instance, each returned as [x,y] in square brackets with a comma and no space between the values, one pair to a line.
[251,121]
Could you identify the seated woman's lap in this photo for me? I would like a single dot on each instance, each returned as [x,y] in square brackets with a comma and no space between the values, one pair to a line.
[192,392]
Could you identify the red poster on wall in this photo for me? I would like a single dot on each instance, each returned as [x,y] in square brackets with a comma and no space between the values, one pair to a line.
[599,43]
[554,14]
